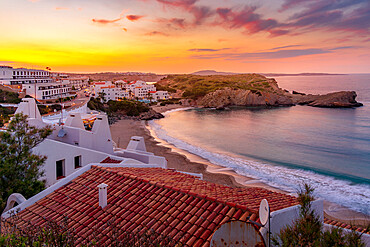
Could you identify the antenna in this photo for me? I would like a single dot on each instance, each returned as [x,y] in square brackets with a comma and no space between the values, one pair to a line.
[264,214]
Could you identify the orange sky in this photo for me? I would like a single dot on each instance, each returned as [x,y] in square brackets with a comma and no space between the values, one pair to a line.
[183,36]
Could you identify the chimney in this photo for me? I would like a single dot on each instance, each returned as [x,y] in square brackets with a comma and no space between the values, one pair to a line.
[102,195]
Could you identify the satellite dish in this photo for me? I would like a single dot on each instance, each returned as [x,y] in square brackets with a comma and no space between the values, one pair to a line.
[62,133]
[237,234]
[264,212]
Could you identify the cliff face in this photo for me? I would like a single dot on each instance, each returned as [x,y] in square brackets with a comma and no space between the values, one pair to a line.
[341,99]
[240,97]
[230,97]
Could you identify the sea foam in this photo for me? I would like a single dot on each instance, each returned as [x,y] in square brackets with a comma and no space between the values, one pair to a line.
[342,192]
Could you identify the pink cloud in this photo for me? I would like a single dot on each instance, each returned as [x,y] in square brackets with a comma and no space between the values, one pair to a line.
[156,33]
[248,19]
[179,3]
[134,17]
[61,8]
[105,21]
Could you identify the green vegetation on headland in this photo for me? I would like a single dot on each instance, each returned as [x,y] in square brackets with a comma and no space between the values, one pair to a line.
[124,107]
[195,86]
[220,91]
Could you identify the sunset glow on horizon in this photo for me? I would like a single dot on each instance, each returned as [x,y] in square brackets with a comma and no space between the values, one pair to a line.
[183,36]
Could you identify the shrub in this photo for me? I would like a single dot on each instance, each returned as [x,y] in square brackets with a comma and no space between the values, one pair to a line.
[20,168]
[60,234]
[9,97]
[130,108]
[307,230]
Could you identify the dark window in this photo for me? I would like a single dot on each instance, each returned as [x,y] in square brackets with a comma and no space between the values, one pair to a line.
[60,169]
[77,161]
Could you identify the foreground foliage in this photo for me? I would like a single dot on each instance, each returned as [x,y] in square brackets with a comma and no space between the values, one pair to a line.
[308,229]
[53,234]
[19,167]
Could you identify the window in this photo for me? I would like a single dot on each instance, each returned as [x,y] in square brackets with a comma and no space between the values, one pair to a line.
[60,169]
[77,161]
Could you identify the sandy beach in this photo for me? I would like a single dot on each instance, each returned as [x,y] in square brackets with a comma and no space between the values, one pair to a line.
[184,161]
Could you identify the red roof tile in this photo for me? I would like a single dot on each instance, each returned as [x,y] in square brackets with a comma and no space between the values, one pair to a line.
[247,197]
[110,161]
[344,225]
[149,199]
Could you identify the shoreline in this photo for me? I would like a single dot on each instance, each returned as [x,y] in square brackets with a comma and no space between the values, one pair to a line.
[184,161]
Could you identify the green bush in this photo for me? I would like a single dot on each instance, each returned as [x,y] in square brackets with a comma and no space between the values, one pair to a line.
[96,104]
[9,97]
[5,116]
[307,230]
[130,108]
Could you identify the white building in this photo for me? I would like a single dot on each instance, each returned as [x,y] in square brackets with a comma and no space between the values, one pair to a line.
[48,91]
[140,89]
[121,84]
[71,147]
[157,95]
[76,82]
[109,91]
[113,93]
[133,90]
[11,76]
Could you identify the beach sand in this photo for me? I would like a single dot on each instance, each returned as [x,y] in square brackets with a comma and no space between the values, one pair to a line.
[184,161]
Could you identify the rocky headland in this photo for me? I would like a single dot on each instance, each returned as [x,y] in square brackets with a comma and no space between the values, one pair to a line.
[220,91]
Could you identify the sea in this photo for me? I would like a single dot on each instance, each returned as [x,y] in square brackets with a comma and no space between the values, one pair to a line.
[286,147]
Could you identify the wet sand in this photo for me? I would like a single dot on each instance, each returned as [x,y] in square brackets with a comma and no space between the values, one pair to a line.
[185,161]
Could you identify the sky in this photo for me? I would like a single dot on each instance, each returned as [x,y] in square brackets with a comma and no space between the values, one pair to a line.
[184,36]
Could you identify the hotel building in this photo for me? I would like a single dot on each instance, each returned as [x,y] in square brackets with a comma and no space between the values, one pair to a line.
[11,76]
[48,91]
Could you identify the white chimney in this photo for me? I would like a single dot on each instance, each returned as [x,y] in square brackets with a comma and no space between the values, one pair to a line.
[102,195]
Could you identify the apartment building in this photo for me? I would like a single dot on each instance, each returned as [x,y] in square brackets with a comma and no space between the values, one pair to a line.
[48,91]
[108,91]
[157,95]
[76,82]
[12,76]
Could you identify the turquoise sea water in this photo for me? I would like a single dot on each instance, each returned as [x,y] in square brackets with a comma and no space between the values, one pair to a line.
[287,146]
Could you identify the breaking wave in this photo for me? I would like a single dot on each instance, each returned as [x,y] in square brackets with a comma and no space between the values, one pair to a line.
[342,192]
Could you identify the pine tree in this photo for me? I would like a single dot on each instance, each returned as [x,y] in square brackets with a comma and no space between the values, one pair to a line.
[20,169]
[307,230]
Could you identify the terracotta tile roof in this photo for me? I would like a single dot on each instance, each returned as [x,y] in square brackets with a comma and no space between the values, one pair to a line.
[247,197]
[110,161]
[163,201]
[344,225]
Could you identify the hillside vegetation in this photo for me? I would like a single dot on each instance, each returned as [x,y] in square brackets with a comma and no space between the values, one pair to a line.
[195,86]
[124,107]
[9,97]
